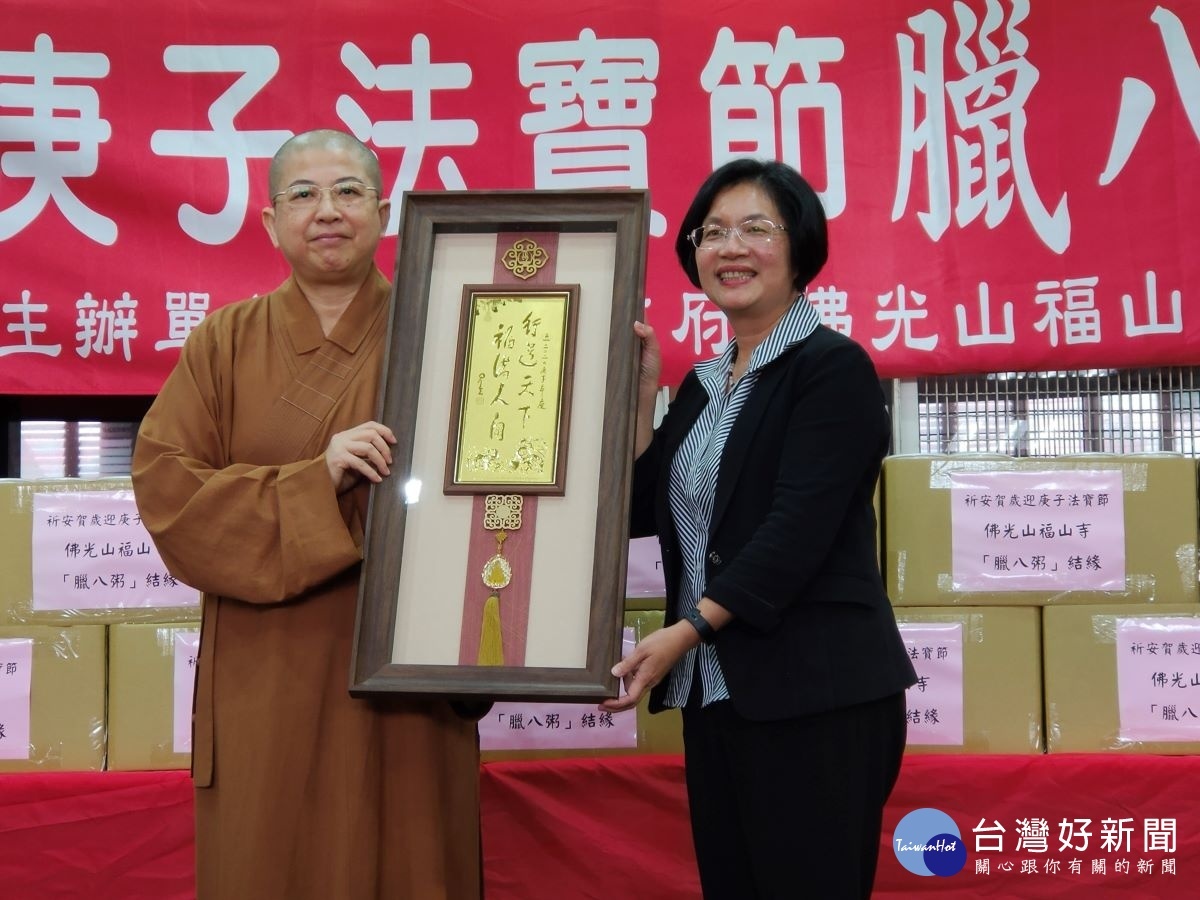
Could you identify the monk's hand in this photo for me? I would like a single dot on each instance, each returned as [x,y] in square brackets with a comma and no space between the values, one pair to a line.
[650,662]
[364,451]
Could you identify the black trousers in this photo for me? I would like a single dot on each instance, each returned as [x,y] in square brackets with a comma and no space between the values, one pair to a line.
[790,809]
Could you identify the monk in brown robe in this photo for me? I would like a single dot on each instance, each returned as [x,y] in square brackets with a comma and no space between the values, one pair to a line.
[251,472]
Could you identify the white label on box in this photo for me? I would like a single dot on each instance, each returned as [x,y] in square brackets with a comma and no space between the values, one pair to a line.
[1158,678]
[16,679]
[187,643]
[559,726]
[91,551]
[644,577]
[1038,531]
[935,702]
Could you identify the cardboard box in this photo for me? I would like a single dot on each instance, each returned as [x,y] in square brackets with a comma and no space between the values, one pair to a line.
[17,500]
[645,604]
[1001,678]
[661,733]
[66,702]
[1080,646]
[141,697]
[1159,499]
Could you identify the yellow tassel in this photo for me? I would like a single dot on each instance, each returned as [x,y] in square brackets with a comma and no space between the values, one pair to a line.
[491,646]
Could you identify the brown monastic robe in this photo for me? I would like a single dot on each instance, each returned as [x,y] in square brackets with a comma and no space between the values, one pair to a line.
[302,791]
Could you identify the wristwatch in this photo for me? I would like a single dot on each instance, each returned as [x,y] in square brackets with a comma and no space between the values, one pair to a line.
[707,632]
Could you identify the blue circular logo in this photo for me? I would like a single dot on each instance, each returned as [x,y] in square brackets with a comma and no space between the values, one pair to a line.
[928,842]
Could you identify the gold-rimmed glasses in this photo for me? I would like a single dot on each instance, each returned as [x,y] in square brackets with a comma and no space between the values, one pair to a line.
[752,232]
[344,194]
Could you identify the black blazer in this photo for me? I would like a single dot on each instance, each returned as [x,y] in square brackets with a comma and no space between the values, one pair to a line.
[792,546]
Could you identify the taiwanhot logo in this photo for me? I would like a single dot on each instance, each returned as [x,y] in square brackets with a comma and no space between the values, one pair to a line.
[928,842]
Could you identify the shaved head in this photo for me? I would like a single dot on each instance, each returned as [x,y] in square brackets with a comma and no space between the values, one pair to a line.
[326,139]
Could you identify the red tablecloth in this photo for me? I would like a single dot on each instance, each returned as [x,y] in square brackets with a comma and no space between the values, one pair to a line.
[99,835]
[603,828]
[617,827]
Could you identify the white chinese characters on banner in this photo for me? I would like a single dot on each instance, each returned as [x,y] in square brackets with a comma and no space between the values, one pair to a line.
[946,139]
[255,67]
[934,704]
[16,680]
[987,105]
[1158,678]
[743,113]
[705,324]
[101,329]
[91,551]
[1137,97]
[418,78]
[1038,531]
[63,146]
[595,97]
[513,725]
[187,644]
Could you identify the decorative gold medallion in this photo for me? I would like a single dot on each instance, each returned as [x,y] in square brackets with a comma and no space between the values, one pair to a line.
[497,573]
[502,511]
[524,259]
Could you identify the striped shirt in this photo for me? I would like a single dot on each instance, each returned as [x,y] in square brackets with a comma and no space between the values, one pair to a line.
[693,485]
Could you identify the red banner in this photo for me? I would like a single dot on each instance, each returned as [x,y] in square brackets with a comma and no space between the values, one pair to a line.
[1011,185]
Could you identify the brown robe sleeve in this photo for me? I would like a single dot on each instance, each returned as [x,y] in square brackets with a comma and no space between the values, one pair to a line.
[262,531]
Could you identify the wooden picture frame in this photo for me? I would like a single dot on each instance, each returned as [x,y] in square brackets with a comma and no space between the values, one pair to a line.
[415,575]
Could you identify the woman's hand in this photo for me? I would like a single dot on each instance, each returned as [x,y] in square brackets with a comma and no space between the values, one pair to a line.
[649,373]
[650,662]
[650,365]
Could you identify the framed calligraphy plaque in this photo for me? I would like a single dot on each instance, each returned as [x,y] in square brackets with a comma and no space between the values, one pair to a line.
[495,552]
[512,395]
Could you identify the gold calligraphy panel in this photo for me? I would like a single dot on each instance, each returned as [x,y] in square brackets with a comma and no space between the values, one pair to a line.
[515,362]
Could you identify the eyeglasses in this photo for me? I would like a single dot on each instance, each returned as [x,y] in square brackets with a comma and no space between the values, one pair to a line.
[752,233]
[344,194]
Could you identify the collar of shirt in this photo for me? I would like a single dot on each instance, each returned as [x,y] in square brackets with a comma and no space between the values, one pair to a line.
[795,325]
[304,327]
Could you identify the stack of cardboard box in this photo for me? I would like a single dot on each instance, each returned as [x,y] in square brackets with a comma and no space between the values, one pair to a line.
[78,589]
[1035,663]
[1043,652]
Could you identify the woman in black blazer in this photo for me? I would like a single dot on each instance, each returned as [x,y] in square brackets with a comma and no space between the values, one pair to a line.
[779,644]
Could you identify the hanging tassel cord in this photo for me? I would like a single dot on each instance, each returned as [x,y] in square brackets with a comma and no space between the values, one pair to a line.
[491,644]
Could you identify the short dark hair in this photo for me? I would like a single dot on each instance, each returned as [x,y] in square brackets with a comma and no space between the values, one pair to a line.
[797,202]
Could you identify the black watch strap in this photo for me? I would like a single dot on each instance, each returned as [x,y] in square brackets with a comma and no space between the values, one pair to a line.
[707,632]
